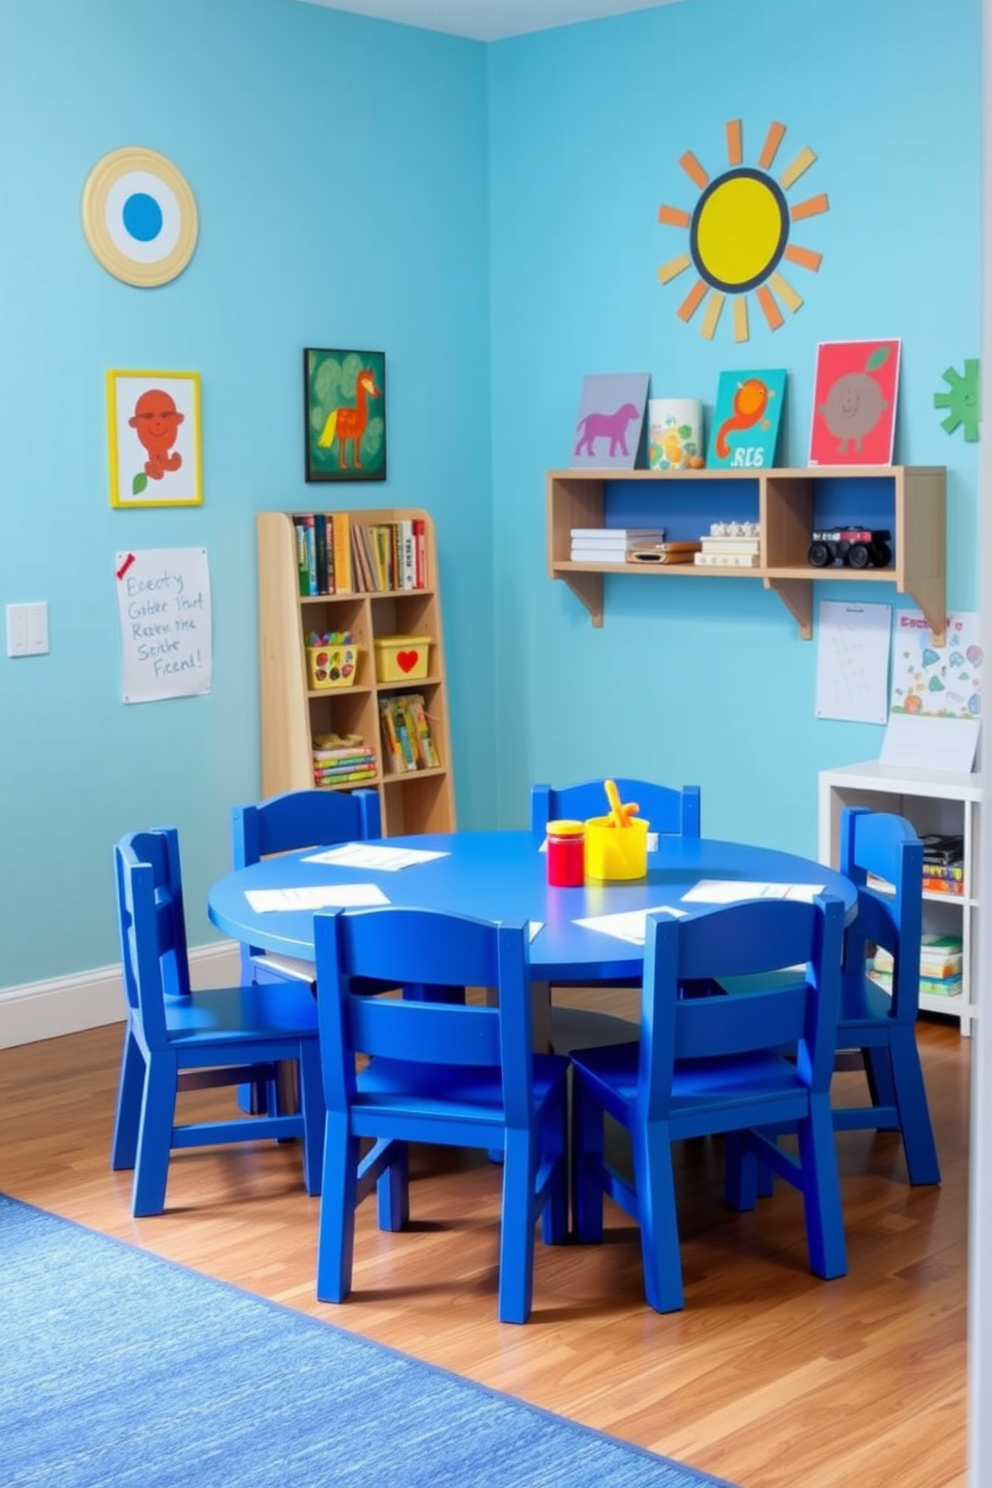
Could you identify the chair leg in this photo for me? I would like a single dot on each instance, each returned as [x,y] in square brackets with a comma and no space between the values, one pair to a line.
[392,1191]
[655,1181]
[516,1240]
[336,1224]
[124,1145]
[587,1157]
[743,1174]
[554,1141]
[158,1110]
[311,1098]
[914,1111]
[820,1183]
[880,1075]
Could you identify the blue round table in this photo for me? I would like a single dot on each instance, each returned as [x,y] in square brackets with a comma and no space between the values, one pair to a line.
[501,876]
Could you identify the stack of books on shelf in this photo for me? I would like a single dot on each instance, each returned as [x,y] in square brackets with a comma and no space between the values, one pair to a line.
[342,759]
[336,554]
[730,545]
[407,741]
[611,544]
[940,966]
[943,864]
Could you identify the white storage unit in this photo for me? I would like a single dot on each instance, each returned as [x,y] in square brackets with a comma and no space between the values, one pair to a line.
[934,801]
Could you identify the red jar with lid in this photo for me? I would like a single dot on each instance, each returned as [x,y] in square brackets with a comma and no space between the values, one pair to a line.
[566,854]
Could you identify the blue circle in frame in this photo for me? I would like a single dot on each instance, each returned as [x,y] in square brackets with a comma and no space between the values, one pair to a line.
[139,217]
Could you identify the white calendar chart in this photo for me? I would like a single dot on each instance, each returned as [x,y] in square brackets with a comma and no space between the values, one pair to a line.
[163,601]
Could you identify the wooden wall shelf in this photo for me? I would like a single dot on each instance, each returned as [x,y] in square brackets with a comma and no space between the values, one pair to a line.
[785,502]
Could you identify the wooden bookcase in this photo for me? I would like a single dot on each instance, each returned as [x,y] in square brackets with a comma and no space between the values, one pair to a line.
[292,712]
[908,500]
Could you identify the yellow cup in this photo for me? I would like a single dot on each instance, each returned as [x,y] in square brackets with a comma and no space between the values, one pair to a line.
[616,852]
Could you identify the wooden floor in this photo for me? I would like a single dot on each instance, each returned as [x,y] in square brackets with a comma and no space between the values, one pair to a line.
[769,1377]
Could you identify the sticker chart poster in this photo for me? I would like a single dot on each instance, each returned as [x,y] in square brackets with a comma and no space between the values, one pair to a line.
[931,681]
[163,601]
[746,419]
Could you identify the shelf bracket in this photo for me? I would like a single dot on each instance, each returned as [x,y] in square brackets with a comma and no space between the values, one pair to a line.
[797,596]
[588,589]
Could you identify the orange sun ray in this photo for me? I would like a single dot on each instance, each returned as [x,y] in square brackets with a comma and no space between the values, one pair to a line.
[770,310]
[789,297]
[799,166]
[810,207]
[711,315]
[804,257]
[740,318]
[774,137]
[674,266]
[694,170]
[735,142]
[693,300]
[673,216]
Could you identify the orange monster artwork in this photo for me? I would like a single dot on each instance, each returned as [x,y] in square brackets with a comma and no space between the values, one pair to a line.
[156,421]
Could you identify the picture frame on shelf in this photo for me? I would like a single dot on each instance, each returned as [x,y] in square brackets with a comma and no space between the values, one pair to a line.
[344,401]
[747,418]
[609,428]
[855,393]
[154,438]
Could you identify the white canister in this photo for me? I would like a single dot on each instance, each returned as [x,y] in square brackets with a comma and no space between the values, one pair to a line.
[675,432]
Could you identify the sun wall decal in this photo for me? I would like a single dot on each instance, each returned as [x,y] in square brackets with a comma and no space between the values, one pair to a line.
[740,232]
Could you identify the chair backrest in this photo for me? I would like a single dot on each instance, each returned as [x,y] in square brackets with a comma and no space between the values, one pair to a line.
[154,960]
[887,847]
[394,945]
[673,812]
[748,939]
[303,818]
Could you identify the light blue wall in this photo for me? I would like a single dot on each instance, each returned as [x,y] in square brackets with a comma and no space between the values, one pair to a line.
[339,167]
[708,682]
[487,216]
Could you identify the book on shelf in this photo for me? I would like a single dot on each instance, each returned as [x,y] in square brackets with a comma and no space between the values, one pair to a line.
[730,544]
[942,847]
[598,555]
[940,956]
[622,537]
[951,986]
[408,743]
[952,871]
[934,885]
[726,560]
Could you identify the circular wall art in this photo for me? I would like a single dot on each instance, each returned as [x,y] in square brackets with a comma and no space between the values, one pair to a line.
[139,217]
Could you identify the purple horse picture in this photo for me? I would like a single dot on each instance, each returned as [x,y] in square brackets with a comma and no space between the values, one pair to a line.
[611,419]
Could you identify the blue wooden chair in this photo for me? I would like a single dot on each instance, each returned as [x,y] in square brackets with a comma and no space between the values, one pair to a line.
[713,1064]
[291,822]
[221,1036]
[671,812]
[460,1075]
[883,1028]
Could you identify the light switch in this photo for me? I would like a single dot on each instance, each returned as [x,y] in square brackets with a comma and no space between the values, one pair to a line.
[27,629]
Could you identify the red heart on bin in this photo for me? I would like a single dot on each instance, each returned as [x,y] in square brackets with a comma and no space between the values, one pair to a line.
[407,660]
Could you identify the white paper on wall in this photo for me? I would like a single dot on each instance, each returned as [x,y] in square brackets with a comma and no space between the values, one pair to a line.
[163,602]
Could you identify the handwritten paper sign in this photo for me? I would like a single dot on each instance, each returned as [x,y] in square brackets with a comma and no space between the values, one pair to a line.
[163,600]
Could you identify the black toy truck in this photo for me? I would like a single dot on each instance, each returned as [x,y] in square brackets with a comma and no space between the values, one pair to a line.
[850,547]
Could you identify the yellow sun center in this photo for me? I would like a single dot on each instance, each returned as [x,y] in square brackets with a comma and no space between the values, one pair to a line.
[739,231]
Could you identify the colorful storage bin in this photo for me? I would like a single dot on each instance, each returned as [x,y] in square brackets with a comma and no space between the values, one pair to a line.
[333,665]
[402,658]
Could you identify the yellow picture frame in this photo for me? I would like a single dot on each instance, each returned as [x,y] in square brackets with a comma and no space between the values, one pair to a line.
[153,437]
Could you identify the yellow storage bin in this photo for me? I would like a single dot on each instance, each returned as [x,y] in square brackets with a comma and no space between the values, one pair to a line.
[402,658]
[616,852]
[333,665]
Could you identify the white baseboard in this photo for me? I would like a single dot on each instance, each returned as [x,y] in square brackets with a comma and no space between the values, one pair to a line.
[89,999]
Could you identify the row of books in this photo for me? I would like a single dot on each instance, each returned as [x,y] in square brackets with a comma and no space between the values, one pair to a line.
[610,544]
[342,759]
[407,741]
[338,555]
[943,863]
[940,965]
[739,548]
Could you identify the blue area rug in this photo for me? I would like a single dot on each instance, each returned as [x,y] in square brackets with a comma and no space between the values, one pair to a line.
[122,1370]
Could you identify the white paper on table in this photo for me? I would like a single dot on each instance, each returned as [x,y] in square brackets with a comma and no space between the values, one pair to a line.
[919,742]
[852,661]
[733,891]
[372,857]
[534,928]
[323,896]
[629,925]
